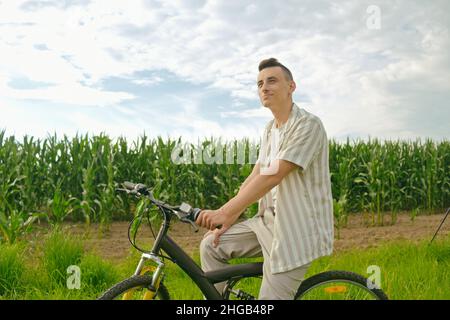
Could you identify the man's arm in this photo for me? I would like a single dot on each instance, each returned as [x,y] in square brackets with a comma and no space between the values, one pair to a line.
[257,187]
[252,191]
[252,175]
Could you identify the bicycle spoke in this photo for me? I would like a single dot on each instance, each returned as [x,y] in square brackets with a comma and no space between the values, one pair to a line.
[338,290]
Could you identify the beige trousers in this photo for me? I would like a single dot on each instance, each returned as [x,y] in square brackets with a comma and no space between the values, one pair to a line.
[251,238]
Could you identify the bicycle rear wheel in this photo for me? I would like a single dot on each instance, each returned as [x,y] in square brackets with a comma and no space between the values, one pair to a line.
[338,285]
[135,288]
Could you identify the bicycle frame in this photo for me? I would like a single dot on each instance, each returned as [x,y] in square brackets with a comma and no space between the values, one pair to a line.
[204,280]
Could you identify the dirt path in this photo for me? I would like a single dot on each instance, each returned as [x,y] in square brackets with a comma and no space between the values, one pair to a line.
[113,244]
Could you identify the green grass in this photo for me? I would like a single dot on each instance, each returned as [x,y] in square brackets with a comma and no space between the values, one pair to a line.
[97,274]
[43,275]
[409,271]
[11,271]
[60,252]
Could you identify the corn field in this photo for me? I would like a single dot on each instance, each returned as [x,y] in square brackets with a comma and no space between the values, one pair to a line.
[75,178]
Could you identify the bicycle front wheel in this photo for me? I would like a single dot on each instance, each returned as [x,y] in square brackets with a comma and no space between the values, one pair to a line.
[136,288]
[338,285]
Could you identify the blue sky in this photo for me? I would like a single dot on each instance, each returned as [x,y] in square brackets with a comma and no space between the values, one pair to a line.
[188,68]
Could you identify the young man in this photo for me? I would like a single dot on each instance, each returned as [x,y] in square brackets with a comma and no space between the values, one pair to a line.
[291,180]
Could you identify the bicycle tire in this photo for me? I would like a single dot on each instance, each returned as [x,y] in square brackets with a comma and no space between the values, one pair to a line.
[134,282]
[349,278]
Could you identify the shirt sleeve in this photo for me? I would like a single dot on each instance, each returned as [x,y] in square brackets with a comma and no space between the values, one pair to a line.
[303,144]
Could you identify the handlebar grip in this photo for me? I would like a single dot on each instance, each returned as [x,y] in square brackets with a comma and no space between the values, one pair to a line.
[195,213]
[139,187]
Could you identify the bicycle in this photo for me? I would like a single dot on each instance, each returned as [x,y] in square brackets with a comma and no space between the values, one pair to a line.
[148,281]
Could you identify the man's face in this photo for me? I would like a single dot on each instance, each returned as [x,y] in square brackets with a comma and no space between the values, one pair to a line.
[273,87]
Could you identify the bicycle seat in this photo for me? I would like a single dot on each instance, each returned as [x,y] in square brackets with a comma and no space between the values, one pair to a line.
[235,270]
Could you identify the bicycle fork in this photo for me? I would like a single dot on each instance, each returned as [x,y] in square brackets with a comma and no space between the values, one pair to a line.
[157,273]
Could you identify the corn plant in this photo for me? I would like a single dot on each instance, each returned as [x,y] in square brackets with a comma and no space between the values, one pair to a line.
[374,177]
[15,224]
[60,206]
[340,213]
[108,195]
[88,194]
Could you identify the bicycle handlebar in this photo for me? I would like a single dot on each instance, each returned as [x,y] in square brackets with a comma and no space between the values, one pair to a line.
[185,212]
[138,187]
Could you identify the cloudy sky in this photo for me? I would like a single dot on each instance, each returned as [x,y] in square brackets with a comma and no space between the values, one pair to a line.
[188,68]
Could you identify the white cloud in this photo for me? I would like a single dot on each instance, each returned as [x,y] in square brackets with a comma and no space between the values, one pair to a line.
[71,94]
[248,113]
[359,81]
[77,54]
[148,82]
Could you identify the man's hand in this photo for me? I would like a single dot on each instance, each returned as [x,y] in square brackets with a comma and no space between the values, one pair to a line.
[217,233]
[211,219]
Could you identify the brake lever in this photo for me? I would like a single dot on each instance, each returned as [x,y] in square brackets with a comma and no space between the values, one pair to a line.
[194,226]
[185,214]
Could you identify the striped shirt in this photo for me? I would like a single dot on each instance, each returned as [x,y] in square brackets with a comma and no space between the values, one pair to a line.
[303,225]
[274,141]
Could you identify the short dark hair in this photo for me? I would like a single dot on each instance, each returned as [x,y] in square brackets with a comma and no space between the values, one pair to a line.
[272,62]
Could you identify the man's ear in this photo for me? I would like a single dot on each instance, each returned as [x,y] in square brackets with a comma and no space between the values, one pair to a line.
[292,86]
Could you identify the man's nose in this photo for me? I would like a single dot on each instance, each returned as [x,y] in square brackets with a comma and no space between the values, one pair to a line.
[264,88]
